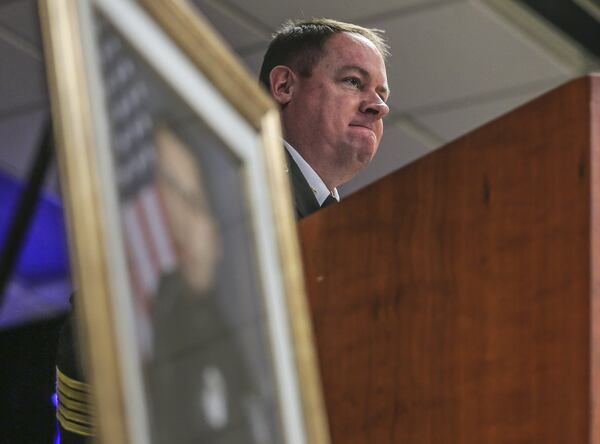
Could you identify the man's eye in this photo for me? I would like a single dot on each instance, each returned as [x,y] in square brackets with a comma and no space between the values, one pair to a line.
[354,81]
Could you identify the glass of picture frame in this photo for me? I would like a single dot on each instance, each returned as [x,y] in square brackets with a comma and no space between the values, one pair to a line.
[189,285]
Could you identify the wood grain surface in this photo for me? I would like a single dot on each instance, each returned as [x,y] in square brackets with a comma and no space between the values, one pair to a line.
[452,300]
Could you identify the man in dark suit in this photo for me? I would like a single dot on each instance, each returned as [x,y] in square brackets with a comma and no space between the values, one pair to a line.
[329,79]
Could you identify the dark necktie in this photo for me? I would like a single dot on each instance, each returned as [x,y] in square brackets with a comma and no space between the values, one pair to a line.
[330,200]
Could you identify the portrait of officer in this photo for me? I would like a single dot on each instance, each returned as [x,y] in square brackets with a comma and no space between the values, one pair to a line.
[199,385]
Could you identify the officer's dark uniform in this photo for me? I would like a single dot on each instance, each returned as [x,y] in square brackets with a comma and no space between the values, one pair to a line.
[196,362]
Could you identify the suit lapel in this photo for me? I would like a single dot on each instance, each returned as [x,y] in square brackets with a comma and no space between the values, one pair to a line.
[305,201]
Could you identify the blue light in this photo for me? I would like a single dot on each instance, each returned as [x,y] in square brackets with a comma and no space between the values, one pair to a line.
[44,253]
[54,400]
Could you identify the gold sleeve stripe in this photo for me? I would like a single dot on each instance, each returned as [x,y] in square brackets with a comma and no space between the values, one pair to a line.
[80,407]
[73,426]
[74,416]
[70,382]
[70,393]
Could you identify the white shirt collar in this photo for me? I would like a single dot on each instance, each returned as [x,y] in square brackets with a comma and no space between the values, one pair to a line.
[314,181]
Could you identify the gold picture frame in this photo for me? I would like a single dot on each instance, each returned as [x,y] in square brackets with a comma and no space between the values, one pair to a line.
[173,48]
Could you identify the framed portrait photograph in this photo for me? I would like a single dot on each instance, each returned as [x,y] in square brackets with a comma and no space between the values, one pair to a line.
[189,286]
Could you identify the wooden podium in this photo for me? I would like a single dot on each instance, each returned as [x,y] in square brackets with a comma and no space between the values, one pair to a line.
[457,300]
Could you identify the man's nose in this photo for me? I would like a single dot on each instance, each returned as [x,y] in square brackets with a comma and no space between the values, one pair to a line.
[375,106]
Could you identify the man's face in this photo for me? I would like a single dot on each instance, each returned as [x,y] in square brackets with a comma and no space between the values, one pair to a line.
[193,229]
[334,117]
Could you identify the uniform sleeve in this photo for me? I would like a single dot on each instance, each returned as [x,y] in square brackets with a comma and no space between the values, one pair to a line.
[74,412]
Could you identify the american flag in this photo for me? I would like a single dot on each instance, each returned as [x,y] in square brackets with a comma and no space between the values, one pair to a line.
[147,240]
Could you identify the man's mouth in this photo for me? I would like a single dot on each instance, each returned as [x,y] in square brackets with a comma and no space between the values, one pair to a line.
[364,126]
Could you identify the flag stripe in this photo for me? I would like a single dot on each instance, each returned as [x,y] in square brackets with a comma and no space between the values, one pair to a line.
[139,296]
[147,237]
[141,257]
[158,229]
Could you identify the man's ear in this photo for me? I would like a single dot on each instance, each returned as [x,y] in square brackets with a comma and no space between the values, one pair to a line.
[282,82]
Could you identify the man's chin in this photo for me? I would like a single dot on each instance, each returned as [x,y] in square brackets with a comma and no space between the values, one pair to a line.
[199,279]
[363,146]
[365,154]
[355,164]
